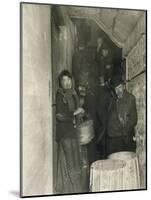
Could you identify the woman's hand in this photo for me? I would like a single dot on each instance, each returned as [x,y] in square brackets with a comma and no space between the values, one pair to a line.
[79,111]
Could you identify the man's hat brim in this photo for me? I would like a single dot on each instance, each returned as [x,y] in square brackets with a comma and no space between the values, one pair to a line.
[116,81]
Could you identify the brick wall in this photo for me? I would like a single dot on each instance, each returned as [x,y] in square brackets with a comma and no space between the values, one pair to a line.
[135,53]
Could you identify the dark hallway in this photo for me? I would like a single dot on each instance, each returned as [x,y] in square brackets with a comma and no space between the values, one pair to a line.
[96,56]
[86,69]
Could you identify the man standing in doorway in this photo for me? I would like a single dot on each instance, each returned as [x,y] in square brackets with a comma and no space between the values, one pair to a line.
[122,119]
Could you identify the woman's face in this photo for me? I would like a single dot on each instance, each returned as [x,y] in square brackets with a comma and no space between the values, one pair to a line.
[66,82]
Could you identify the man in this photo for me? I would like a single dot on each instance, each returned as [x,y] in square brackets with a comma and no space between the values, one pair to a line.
[98,52]
[105,67]
[122,118]
[78,64]
[99,48]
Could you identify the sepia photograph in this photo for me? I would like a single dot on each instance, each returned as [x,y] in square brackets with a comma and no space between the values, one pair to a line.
[83,74]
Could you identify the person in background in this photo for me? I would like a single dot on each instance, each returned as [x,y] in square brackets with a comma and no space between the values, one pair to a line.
[99,48]
[98,53]
[85,74]
[79,64]
[122,118]
[105,67]
[88,102]
[69,174]
[104,95]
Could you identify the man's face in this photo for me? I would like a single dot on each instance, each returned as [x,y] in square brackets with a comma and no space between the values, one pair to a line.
[82,90]
[66,82]
[119,90]
[99,41]
[104,52]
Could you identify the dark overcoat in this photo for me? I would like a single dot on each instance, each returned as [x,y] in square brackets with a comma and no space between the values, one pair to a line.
[122,119]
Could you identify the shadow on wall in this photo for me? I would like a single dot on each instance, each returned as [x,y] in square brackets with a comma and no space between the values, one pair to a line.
[15,193]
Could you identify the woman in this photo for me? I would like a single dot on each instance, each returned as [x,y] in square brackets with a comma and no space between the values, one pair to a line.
[69,173]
